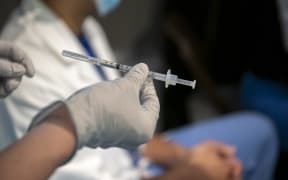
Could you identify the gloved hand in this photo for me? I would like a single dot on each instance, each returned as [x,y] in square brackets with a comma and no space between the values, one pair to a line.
[13,65]
[121,113]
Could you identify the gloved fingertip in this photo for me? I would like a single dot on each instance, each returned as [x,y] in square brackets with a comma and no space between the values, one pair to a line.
[138,74]
[142,67]
[11,84]
[16,54]
[30,70]
[17,70]
[20,56]
[27,62]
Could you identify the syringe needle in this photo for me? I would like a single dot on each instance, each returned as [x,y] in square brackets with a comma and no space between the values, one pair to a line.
[79,57]
[169,79]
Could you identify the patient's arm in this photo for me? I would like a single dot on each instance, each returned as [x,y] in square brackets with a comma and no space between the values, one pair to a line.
[40,152]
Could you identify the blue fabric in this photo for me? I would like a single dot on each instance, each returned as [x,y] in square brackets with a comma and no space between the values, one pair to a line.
[85,43]
[269,98]
[252,134]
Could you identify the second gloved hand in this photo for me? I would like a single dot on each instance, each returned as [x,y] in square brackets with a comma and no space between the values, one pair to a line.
[121,113]
[13,65]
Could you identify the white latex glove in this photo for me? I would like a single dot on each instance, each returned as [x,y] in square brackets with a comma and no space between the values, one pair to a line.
[121,113]
[13,65]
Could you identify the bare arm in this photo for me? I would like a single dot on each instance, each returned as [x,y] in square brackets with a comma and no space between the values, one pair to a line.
[41,151]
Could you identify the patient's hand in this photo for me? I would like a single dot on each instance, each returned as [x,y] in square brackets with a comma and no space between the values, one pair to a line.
[206,161]
[216,160]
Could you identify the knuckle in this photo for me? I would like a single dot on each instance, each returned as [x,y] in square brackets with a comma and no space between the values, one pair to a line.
[143,67]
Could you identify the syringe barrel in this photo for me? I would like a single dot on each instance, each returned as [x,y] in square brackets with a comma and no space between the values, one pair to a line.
[157,76]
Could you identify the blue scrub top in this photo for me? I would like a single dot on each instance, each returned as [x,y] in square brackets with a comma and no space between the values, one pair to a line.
[85,43]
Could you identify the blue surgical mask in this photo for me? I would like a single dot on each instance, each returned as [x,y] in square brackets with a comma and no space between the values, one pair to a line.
[106,6]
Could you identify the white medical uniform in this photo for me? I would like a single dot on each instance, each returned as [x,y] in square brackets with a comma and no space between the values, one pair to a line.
[43,36]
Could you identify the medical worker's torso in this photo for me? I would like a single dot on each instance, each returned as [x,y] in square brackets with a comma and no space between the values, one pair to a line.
[43,36]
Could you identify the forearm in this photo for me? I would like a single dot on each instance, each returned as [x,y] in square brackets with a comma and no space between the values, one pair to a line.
[41,151]
[161,151]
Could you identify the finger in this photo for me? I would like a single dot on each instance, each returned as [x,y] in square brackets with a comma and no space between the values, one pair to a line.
[2,91]
[149,98]
[138,74]
[236,168]
[11,69]
[11,84]
[8,86]
[227,151]
[224,150]
[19,56]
[13,53]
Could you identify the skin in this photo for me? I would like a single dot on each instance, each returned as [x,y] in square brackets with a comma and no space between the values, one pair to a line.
[43,149]
[72,12]
[216,160]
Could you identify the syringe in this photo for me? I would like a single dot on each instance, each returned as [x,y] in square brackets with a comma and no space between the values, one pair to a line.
[169,79]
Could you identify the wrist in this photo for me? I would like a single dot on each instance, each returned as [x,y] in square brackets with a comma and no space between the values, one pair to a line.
[182,155]
[83,118]
[177,157]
